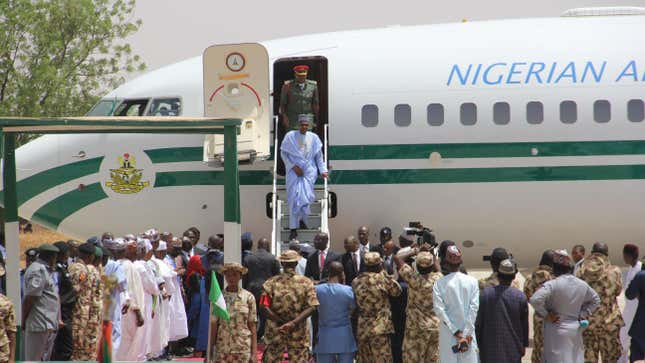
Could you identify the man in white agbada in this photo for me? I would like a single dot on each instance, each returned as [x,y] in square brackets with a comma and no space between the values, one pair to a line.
[132,320]
[161,321]
[179,326]
[456,302]
[301,152]
[120,293]
[634,266]
[565,303]
[150,284]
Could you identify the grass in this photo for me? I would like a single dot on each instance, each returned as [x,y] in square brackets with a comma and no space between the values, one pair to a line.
[39,236]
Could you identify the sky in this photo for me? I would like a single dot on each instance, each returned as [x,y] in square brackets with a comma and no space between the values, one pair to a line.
[174,30]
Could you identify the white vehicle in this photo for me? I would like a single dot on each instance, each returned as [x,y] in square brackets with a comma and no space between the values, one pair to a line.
[526,133]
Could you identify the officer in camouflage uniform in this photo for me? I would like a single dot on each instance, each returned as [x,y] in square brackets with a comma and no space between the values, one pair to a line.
[236,339]
[542,274]
[602,338]
[96,308]
[83,282]
[372,289]
[299,97]
[421,342]
[287,300]
[7,330]
[498,255]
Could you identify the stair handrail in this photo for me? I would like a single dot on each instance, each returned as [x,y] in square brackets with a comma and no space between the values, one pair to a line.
[274,197]
[324,215]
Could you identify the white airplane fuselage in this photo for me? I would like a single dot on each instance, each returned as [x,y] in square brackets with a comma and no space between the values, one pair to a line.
[489,173]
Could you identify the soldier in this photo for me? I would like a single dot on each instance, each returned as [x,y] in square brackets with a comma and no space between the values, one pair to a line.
[7,331]
[63,344]
[421,341]
[542,274]
[82,281]
[372,289]
[96,308]
[602,338]
[236,339]
[287,300]
[498,255]
[299,97]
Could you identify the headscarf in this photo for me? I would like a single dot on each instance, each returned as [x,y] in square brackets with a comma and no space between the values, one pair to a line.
[195,266]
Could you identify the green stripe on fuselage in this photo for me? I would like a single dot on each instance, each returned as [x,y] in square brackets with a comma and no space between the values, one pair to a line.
[175,154]
[57,210]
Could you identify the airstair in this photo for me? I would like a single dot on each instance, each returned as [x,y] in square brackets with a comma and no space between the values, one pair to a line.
[318,218]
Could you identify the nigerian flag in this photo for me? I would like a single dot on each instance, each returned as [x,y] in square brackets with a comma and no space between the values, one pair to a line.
[218,305]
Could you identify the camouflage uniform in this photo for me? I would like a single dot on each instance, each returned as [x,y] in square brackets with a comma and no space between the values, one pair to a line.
[290,295]
[96,313]
[83,282]
[234,337]
[602,338]
[492,281]
[7,325]
[541,275]
[421,342]
[372,290]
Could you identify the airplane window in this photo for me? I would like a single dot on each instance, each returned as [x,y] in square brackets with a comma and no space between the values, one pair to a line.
[435,114]
[103,108]
[601,111]
[165,107]
[369,115]
[131,108]
[534,112]
[568,112]
[468,114]
[402,115]
[635,110]
[501,113]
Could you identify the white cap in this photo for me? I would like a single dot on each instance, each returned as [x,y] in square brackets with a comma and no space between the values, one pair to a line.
[144,244]
[162,246]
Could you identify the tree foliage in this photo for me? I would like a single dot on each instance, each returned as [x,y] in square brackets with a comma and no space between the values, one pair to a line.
[57,57]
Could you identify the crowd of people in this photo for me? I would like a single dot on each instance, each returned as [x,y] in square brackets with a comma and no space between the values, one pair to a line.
[383,301]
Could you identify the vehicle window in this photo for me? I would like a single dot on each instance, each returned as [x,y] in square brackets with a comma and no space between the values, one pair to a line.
[369,115]
[165,107]
[501,113]
[402,115]
[568,112]
[131,108]
[468,114]
[534,112]
[435,114]
[635,110]
[601,111]
[103,108]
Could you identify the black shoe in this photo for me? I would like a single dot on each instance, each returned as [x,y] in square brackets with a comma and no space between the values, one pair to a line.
[303,225]
[293,235]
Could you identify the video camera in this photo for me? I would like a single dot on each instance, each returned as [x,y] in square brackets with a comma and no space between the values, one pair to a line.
[424,235]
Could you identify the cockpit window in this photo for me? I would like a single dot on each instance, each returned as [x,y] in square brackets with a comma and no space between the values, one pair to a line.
[103,108]
[135,107]
[170,106]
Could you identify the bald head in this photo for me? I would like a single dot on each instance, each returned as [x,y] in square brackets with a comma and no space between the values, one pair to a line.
[600,247]
[264,244]
[363,235]
[388,247]
[336,270]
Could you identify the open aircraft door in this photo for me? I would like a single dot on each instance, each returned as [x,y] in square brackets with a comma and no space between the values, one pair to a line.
[236,85]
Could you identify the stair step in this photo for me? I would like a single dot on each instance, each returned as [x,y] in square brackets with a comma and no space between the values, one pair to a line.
[304,235]
[283,195]
[312,222]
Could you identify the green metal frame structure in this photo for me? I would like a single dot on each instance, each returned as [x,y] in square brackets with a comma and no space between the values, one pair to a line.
[9,127]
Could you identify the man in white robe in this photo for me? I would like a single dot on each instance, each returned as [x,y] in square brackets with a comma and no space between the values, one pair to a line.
[120,293]
[634,266]
[166,276]
[456,302]
[150,286]
[178,318]
[132,331]
[301,152]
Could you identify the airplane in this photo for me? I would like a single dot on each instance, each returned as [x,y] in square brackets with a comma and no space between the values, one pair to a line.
[522,133]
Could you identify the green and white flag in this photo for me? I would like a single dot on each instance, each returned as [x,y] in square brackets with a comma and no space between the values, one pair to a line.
[218,305]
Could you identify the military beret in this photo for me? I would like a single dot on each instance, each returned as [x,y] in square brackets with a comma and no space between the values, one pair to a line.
[93,240]
[98,252]
[234,266]
[46,247]
[562,258]
[425,259]
[498,255]
[87,248]
[289,256]
[507,267]
[372,259]
[247,236]
[385,231]
[453,255]
[32,252]
[62,246]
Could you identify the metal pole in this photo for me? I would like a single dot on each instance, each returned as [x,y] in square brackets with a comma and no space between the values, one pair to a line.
[12,242]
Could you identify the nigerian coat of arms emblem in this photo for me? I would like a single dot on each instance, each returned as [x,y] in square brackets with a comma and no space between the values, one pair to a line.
[127,178]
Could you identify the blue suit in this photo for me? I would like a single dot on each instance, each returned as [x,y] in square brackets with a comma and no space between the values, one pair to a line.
[635,290]
[334,325]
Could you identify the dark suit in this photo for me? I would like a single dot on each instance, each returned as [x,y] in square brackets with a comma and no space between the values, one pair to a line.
[313,269]
[350,267]
[262,266]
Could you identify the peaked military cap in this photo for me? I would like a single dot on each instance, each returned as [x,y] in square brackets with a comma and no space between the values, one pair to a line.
[46,247]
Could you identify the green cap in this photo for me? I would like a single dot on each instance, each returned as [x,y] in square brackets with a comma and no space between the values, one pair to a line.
[46,247]
[98,252]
